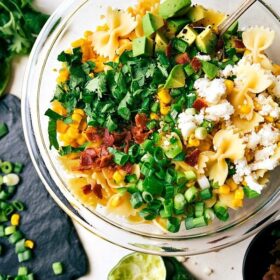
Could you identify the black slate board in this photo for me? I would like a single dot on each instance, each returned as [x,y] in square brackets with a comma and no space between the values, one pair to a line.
[43,221]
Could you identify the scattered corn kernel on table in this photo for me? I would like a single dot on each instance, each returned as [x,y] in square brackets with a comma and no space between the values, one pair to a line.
[103,255]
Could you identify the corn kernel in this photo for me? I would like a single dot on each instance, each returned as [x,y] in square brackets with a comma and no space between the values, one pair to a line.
[154,116]
[229,86]
[63,75]
[237,203]
[164,96]
[233,186]
[102,27]
[78,43]
[247,52]
[164,109]
[269,119]
[29,244]
[66,139]
[193,142]
[91,75]
[73,132]
[15,219]
[276,69]
[77,118]
[80,112]
[225,189]
[245,109]
[239,194]
[58,108]
[87,33]
[81,140]
[61,127]
[118,177]
[116,201]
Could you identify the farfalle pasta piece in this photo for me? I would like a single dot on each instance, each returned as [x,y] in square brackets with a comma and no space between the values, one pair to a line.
[251,79]
[228,146]
[120,24]
[257,40]
[247,125]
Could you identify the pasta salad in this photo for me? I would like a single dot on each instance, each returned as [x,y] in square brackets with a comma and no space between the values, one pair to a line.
[159,119]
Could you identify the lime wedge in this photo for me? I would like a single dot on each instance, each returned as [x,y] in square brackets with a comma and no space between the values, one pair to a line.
[138,266]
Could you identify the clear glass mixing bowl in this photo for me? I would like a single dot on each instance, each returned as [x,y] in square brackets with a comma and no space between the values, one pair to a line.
[68,23]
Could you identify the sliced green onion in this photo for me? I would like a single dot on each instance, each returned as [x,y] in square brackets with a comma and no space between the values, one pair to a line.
[3,217]
[214,185]
[131,178]
[11,179]
[19,206]
[205,194]
[136,200]
[190,100]
[191,194]
[181,178]
[153,185]
[9,210]
[134,151]
[159,156]
[2,231]
[18,167]
[209,125]
[155,107]
[191,223]
[120,158]
[4,195]
[57,268]
[169,191]
[148,145]
[180,45]
[221,211]
[170,175]
[148,214]
[22,270]
[161,173]
[1,179]
[167,210]
[30,276]
[249,193]
[152,124]
[190,175]
[25,256]
[146,170]
[209,214]
[200,133]
[173,224]
[10,230]
[189,70]
[199,209]
[6,167]
[3,130]
[179,201]
[15,237]
[20,246]
[148,197]
[139,186]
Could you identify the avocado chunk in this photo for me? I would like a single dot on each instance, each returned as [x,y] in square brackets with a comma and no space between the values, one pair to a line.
[210,69]
[142,46]
[151,23]
[188,34]
[207,40]
[174,26]
[172,8]
[176,78]
[196,13]
[161,42]
[171,145]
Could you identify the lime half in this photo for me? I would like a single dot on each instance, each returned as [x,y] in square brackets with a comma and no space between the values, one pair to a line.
[139,266]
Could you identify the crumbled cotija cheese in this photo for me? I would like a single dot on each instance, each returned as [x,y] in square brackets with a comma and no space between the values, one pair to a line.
[212,91]
[268,164]
[268,135]
[186,123]
[221,111]
[269,107]
[254,140]
[203,57]
[228,71]
[253,184]
[265,153]
[242,169]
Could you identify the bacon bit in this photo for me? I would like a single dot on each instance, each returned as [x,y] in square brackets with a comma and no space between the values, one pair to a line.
[220,44]
[182,58]
[139,135]
[168,51]
[199,104]
[192,158]
[196,64]
[97,190]
[239,44]
[105,161]
[108,139]
[87,157]
[141,121]
[87,189]
[128,167]
[92,134]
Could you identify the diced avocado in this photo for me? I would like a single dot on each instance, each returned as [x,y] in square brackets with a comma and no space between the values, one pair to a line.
[161,42]
[176,78]
[213,18]
[172,8]
[180,45]
[207,40]
[233,28]
[189,70]
[172,145]
[174,26]
[188,34]
[196,13]
[151,23]
[142,46]
[210,69]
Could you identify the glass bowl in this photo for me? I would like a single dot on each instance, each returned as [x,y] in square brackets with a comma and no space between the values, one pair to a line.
[67,24]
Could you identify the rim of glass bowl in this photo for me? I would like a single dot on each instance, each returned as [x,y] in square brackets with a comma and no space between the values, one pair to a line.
[102,227]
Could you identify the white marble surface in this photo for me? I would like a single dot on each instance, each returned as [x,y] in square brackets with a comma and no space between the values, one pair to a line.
[102,255]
